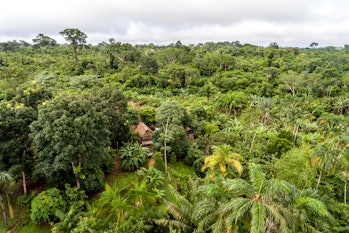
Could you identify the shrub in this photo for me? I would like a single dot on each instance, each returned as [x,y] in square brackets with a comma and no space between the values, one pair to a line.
[153,177]
[44,206]
[147,115]
[133,156]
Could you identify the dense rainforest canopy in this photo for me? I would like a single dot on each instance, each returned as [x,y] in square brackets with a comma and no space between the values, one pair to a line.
[243,138]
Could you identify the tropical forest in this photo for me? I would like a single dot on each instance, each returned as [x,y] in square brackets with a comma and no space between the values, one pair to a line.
[214,137]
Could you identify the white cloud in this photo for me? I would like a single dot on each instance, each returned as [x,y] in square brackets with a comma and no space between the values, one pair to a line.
[287,22]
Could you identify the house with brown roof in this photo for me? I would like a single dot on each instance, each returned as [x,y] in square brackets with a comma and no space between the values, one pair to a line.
[145,134]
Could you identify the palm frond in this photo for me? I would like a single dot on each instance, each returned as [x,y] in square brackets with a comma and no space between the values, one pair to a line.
[174,224]
[203,208]
[238,187]
[237,165]
[259,218]
[257,177]
[237,208]
[313,206]
[279,215]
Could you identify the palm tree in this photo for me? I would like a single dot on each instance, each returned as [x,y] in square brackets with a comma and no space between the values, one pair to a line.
[181,210]
[116,205]
[140,194]
[223,157]
[309,213]
[325,159]
[5,181]
[68,220]
[344,175]
[257,201]
[207,208]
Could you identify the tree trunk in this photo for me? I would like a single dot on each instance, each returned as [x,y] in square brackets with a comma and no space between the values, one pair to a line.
[75,55]
[269,226]
[23,173]
[342,151]
[295,133]
[4,215]
[24,180]
[165,157]
[319,180]
[254,136]
[229,111]
[76,174]
[345,191]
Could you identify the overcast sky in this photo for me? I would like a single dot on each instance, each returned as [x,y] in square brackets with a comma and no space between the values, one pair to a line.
[286,22]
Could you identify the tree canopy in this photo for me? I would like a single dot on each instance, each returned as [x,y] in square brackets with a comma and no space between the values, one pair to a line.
[250,138]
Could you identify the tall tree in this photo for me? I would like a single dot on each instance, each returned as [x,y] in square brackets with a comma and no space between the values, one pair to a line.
[71,137]
[292,81]
[207,213]
[258,202]
[168,115]
[325,159]
[181,210]
[344,175]
[15,150]
[223,157]
[76,38]
[309,212]
[43,41]
[114,206]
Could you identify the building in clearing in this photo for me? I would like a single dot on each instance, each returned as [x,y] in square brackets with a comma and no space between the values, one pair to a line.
[145,134]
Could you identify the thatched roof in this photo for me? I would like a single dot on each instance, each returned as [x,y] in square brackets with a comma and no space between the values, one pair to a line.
[144,132]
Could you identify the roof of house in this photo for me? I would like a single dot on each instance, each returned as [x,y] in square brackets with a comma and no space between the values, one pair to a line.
[144,131]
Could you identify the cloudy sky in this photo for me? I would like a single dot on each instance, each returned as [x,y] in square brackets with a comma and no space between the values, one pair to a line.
[260,22]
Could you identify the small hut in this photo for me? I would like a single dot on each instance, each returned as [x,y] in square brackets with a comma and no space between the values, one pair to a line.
[145,134]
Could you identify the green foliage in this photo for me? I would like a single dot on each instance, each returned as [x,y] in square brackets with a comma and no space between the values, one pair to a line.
[112,102]
[221,159]
[67,221]
[73,195]
[132,116]
[341,214]
[159,161]
[32,227]
[181,210]
[281,98]
[147,114]
[42,41]
[294,167]
[149,65]
[171,137]
[87,225]
[153,177]
[280,146]
[70,132]
[15,145]
[45,205]
[135,223]
[25,200]
[133,156]
[6,180]
[195,159]
[75,37]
